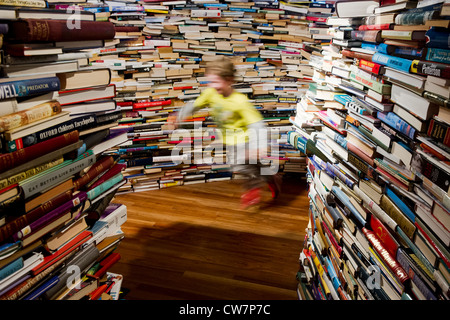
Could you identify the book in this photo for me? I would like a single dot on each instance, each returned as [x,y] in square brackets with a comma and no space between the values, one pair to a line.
[29,30]
[22,156]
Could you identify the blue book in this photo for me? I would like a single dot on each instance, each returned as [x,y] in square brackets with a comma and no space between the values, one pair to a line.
[392,62]
[334,279]
[381,47]
[12,267]
[42,289]
[397,123]
[108,184]
[28,87]
[342,98]
[400,204]
[438,55]
[437,39]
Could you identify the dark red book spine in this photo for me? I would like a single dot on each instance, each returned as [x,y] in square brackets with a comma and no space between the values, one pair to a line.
[109,174]
[97,168]
[16,158]
[36,30]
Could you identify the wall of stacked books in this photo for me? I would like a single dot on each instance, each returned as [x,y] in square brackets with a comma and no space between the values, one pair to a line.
[86,89]
[378,169]
[59,226]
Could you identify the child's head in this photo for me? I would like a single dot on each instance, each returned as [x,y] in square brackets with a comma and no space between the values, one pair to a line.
[220,74]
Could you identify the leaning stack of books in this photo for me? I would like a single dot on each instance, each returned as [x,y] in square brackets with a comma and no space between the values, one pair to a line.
[379,212]
[57,183]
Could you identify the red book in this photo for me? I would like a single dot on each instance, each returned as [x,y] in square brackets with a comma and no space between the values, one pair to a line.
[31,30]
[62,252]
[370,66]
[106,263]
[100,166]
[384,235]
[109,174]
[395,267]
[385,26]
[432,243]
[16,158]
[148,104]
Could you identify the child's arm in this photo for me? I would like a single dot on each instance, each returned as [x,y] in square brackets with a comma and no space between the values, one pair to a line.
[188,109]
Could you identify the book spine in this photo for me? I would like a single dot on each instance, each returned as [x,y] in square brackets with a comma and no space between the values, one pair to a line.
[23,88]
[370,83]
[21,118]
[397,123]
[95,170]
[12,267]
[384,26]
[380,48]
[396,268]
[384,235]
[392,62]
[18,157]
[24,3]
[116,169]
[143,105]
[437,39]
[415,18]
[29,173]
[94,193]
[52,215]
[139,162]
[370,66]
[16,225]
[438,55]
[373,36]
[348,206]
[400,204]
[437,99]
[439,131]
[427,68]
[54,177]
[438,176]
[412,272]
[31,30]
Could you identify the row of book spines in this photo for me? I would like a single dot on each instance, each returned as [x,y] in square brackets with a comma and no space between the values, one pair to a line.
[79,123]
[38,217]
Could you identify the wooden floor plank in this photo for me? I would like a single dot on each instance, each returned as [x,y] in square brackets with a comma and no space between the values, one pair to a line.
[193,242]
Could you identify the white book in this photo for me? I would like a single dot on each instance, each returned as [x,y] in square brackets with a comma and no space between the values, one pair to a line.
[28,265]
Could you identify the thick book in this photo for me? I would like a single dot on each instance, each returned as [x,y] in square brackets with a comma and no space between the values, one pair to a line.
[28,87]
[355,9]
[438,38]
[13,159]
[30,30]
[428,68]
[373,36]
[438,55]
[33,114]
[439,131]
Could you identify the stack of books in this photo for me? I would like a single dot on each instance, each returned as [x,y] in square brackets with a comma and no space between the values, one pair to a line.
[158,59]
[378,171]
[57,183]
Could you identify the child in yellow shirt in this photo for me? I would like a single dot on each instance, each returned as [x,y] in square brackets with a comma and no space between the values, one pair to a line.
[242,127]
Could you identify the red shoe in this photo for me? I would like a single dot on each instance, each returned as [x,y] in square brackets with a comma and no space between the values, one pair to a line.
[275,185]
[250,198]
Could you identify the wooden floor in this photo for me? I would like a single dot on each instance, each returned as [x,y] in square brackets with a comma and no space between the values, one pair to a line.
[193,242]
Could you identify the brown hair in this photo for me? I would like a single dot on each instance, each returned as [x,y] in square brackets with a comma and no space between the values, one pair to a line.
[222,67]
